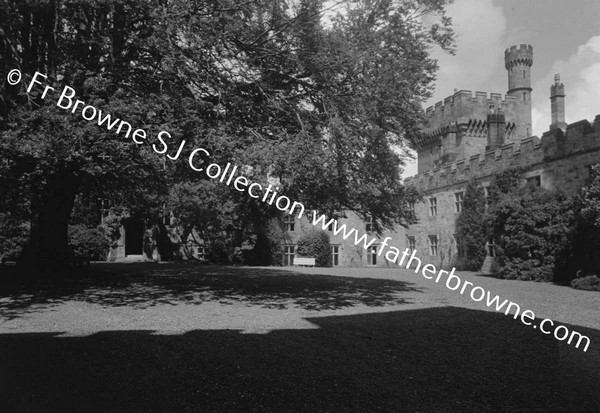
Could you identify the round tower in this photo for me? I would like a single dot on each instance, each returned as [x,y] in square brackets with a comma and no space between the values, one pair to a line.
[518,61]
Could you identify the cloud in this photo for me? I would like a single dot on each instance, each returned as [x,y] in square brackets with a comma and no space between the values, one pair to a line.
[580,74]
[480,33]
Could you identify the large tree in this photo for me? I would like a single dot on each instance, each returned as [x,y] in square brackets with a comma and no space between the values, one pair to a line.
[317,94]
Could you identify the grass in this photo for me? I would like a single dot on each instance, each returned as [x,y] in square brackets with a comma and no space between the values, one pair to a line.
[369,347]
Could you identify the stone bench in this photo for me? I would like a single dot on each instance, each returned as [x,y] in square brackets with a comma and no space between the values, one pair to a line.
[304,261]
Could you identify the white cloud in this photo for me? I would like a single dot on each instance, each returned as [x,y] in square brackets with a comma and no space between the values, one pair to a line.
[580,74]
[480,32]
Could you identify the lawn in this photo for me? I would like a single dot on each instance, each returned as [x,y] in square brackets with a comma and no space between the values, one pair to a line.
[178,337]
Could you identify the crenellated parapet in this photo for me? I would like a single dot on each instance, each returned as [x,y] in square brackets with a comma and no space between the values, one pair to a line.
[518,56]
[468,105]
[477,128]
[580,137]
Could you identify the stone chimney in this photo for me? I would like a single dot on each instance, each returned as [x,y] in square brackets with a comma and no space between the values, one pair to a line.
[557,104]
[496,129]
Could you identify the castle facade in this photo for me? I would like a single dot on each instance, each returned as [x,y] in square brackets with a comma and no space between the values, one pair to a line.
[476,135]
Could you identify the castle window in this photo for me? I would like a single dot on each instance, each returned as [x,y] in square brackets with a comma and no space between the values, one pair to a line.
[289,222]
[524,97]
[458,201]
[335,255]
[523,75]
[372,255]
[534,181]
[433,207]
[289,251]
[433,245]
[369,227]
[411,242]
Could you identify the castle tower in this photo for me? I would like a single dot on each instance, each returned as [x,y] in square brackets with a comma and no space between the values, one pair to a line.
[557,104]
[518,61]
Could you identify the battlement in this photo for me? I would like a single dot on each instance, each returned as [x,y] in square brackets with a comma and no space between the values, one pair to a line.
[580,137]
[467,96]
[522,55]
[466,104]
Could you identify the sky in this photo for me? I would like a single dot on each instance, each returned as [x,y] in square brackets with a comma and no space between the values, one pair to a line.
[565,36]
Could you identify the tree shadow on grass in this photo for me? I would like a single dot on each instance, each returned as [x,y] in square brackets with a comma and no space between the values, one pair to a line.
[147,284]
[433,360]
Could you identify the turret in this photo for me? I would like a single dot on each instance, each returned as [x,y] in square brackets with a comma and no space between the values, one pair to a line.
[496,127]
[557,104]
[518,61]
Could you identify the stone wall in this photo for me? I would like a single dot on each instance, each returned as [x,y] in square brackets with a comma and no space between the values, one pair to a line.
[562,161]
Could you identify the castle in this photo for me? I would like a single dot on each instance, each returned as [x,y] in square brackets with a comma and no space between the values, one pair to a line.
[467,136]
[476,136]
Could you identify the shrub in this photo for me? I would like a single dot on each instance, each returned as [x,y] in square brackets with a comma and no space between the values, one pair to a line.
[531,229]
[589,283]
[265,247]
[88,242]
[217,252]
[13,237]
[585,237]
[315,244]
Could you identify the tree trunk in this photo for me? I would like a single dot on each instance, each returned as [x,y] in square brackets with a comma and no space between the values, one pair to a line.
[48,248]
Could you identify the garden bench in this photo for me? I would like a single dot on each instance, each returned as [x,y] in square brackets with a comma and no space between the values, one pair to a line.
[304,261]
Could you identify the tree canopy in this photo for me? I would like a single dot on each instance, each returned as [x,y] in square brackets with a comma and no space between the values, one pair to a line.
[315,94]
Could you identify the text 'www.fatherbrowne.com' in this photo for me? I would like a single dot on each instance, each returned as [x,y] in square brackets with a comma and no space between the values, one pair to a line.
[453,282]
[270,195]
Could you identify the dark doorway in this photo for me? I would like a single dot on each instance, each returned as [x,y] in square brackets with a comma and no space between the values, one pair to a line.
[134,236]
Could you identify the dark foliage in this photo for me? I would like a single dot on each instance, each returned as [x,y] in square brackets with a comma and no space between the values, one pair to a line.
[218,253]
[530,227]
[505,182]
[588,282]
[14,234]
[88,242]
[471,228]
[315,244]
[266,247]
[262,84]
[584,240]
